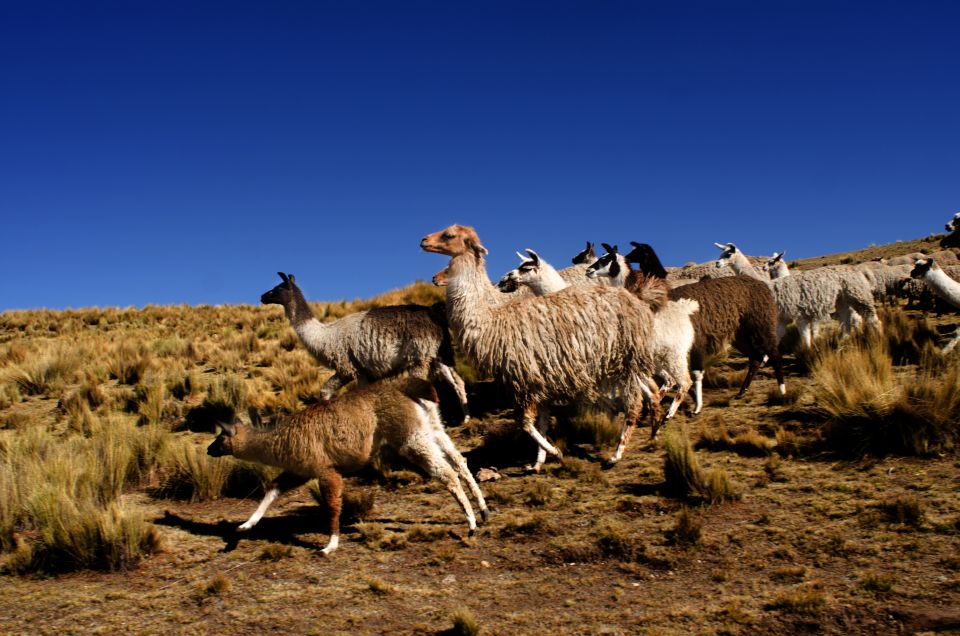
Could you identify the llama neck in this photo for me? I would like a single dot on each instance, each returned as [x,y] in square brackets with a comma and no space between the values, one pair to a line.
[742,266]
[470,294]
[310,330]
[944,286]
[254,445]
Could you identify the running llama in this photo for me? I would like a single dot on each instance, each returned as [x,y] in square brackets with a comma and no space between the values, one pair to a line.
[340,436]
[810,296]
[581,343]
[373,344]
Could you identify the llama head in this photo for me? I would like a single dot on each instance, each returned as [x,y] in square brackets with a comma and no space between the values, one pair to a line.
[954,224]
[726,254]
[282,294]
[523,274]
[922,266]
[440,278]
[951,240]
[774,261]
[224,443]
[453,241]
[607,265]
[646,259]
[585,256]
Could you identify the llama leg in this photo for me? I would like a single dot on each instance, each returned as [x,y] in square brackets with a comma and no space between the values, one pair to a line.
[697,390]
[431,417]
[285,481]
[422,449]
[754,365]
[778,371]
[331,485]
[806,333]
[456,382]
[531,418]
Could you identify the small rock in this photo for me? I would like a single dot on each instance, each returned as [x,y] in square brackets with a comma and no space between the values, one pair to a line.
[449,579]
[485,564]
[488,474]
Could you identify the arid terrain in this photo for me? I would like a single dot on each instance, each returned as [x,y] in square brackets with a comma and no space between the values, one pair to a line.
[809,534]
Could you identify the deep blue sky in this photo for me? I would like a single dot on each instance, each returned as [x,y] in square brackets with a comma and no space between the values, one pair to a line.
[184,152]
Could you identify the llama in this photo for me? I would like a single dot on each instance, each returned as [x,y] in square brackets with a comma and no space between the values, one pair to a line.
[373,344]
[340,436]
[672,334]
[733,310]
[580,343]
[942,285]
[810,296]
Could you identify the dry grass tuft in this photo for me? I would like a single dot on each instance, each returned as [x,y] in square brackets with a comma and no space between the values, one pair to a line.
[380,588]
[275,552]
[376,537]
[715,436]
[903,510]
[686,530]
[464,623]
[218,584]
[877,583]
[683,476]
[806,601]
[866,409]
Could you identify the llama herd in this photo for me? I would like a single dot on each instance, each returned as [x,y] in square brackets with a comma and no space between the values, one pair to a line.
[618,331]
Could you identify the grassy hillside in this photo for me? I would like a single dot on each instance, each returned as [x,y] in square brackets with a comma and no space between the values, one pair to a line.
[834,509]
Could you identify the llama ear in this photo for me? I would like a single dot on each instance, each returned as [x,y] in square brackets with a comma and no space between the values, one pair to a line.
[634,243]
[534,256]
[478,250]
[228,430]
[282,276]
[610,250]
[723,247]
[521,257]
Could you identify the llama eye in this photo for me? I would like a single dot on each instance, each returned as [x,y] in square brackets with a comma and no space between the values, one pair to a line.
[447,237]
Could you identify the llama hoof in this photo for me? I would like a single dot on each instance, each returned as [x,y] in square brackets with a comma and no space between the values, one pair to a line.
[484,515]
[243,527]
[531,469]
[471,532]
[608,463]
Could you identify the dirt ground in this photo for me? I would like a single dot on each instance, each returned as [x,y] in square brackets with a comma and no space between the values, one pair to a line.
[807,549]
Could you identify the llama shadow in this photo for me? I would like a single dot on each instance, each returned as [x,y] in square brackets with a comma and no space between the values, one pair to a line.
[282,529]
